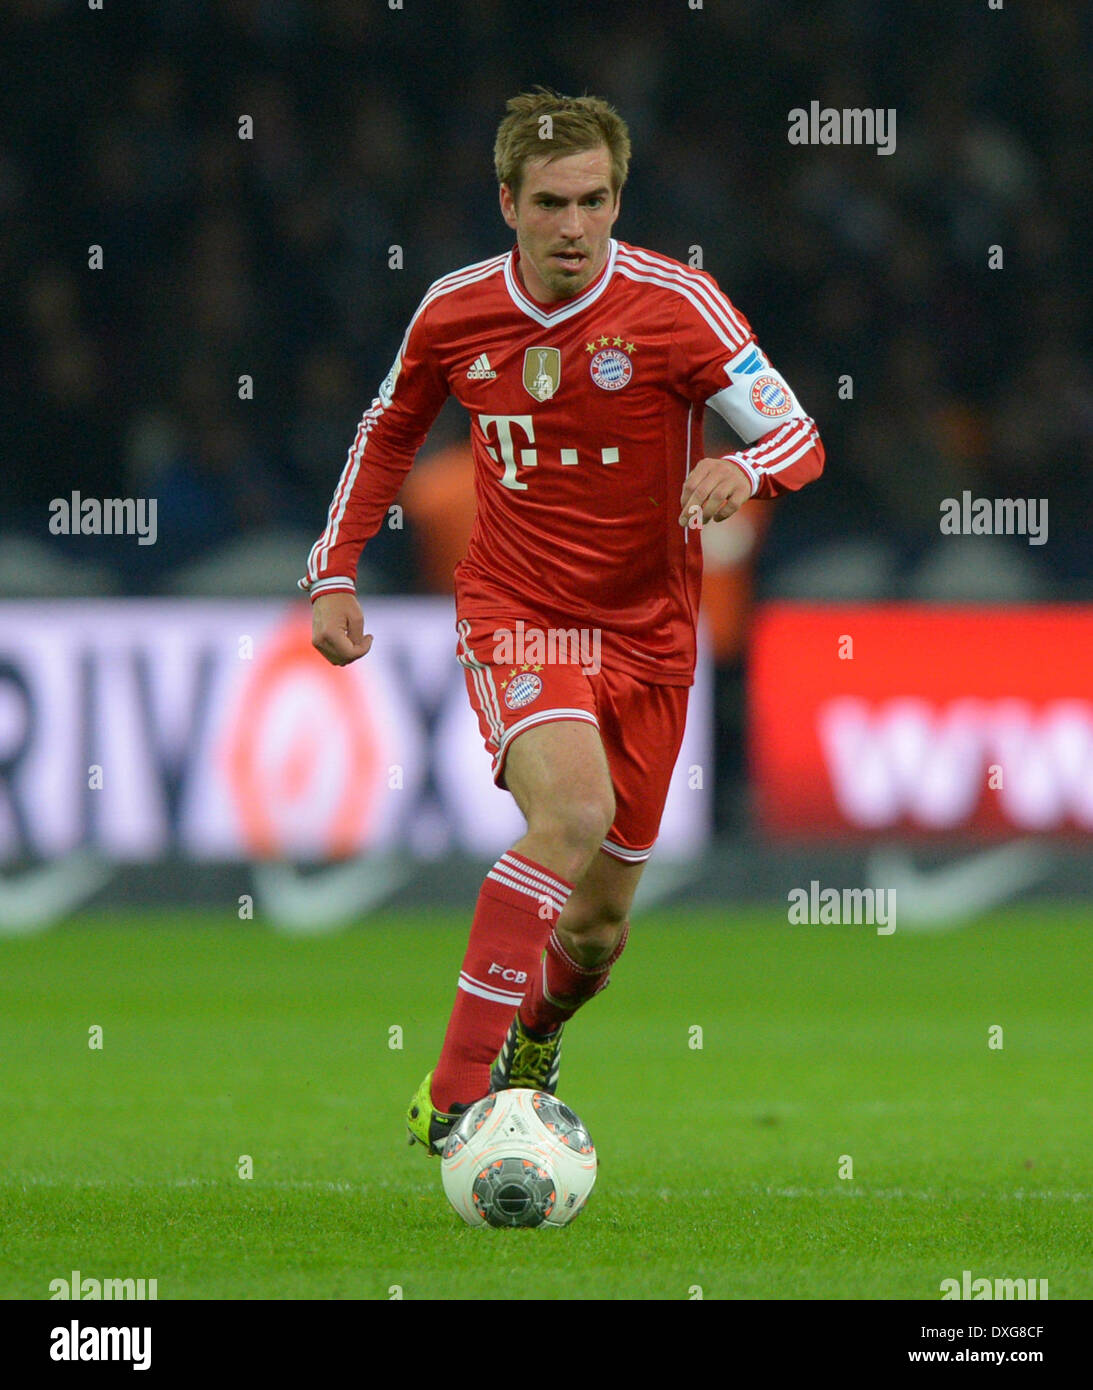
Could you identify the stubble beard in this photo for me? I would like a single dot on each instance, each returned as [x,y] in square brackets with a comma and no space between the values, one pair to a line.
[564,286]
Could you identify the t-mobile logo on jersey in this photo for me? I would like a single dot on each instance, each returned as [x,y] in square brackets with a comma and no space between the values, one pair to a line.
[517,977]
[529,458]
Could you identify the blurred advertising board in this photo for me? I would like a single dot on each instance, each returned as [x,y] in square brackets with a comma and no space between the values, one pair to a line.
[146,728]
[922,720]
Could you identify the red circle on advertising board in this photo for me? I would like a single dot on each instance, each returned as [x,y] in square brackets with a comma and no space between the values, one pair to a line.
[262,779]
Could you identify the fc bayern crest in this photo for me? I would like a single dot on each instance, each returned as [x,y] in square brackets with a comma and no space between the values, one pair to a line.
[770,397]
[522,689]
[611,369]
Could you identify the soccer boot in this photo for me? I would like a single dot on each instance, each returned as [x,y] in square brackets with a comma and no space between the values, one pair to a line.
[528,1059]
[426,1125]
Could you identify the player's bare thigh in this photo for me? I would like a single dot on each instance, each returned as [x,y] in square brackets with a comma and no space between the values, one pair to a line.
[561,782]
[559,776]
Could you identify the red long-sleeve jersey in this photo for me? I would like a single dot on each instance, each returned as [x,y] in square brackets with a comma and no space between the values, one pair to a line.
[586,416]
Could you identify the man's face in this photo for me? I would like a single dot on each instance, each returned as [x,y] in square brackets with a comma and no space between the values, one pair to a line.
[562,220]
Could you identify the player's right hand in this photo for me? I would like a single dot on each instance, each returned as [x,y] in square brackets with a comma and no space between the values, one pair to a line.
[337,628]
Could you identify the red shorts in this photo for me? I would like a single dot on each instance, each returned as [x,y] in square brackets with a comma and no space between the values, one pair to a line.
[641,725]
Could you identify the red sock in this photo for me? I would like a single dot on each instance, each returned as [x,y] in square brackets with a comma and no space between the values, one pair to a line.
[562,986]
[519,903]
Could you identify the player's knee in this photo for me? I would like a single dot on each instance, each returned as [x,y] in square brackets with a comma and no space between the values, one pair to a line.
[594,936]
[597,916]
[578,823]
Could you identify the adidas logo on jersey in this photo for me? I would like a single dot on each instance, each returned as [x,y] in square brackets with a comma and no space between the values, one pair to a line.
[480,369]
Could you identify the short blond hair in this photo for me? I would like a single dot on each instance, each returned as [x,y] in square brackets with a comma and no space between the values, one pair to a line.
[575,124]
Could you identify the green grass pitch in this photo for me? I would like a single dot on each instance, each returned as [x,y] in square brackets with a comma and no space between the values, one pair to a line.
[719,1164]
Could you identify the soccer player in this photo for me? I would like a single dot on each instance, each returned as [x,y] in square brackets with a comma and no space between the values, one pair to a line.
[585,365]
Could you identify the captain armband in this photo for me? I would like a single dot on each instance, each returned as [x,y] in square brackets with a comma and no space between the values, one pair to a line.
[758,399]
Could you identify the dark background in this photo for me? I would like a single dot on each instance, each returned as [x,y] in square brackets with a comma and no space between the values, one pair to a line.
[375,127]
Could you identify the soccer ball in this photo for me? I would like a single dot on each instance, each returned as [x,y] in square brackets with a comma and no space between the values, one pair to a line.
[518,1158]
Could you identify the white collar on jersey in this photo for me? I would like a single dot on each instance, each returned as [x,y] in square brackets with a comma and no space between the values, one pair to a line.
[566,307]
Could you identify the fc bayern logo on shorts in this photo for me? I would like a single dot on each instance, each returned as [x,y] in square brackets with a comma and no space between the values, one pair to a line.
[522,689]
[770,397]
[611,369]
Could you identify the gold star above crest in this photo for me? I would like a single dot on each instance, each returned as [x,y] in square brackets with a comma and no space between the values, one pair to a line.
[607,340]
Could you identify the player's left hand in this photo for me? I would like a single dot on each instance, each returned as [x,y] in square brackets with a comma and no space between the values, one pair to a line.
[712,491]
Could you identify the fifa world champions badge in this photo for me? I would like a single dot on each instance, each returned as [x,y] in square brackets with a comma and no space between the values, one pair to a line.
[542,372]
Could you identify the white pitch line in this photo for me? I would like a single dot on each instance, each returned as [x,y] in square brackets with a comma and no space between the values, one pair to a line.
[899,1193]
[664,1193]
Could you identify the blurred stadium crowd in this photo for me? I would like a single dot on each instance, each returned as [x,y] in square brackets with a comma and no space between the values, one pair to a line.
[373,128]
